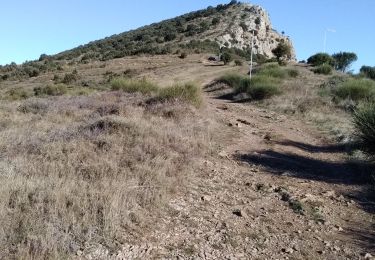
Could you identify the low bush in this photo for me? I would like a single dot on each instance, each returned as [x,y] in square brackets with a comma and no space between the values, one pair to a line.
[238,62]
[183,55]
[132,86]
[272,70]
[70,78]
[364,121]
[324,69]
[261,87]
[258,88]
[188,92]
[293,73]
[51,90]
[356,89]
[16,94]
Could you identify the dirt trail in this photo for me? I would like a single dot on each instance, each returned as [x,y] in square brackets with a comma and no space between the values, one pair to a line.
[275,190]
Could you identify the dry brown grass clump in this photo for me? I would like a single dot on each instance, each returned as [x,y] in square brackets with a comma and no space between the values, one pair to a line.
[88,170]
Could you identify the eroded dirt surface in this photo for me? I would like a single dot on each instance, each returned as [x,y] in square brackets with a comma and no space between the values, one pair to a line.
[275,189]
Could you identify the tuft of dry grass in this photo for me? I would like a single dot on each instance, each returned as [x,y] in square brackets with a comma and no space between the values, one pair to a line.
[78,171]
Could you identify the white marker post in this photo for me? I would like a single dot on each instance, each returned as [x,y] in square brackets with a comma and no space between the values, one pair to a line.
[251,54]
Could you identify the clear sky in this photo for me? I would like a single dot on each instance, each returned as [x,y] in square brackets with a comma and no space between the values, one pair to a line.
[32,27]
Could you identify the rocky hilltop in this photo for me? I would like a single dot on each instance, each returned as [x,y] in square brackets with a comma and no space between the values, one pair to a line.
[247,19]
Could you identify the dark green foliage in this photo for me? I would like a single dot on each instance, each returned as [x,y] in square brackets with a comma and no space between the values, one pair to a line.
[258,88]
[364,121]
[324,69]
[296,206]
[320,59]
[293,73]
[282,50]
[356,89]
[51,90]
[43,57]
[368,72]
[257,21]
[343,60]
[70,78]
[215,21]
[226,57]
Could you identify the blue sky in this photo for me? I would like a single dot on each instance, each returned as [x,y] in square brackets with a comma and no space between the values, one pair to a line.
[30,28]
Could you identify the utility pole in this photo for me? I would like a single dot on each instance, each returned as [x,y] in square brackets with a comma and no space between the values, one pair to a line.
[251,54]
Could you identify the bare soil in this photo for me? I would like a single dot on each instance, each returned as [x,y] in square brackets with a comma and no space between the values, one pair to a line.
[273,186]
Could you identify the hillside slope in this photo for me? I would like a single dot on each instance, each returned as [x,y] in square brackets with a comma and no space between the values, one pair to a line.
[225,26]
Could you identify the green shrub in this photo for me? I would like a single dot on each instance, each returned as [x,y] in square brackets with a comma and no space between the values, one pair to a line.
[258,88]
[324,69]
[282,50]
[16,94]
[70,78]
[226,58]
[131,86]
[293,73]
[272,70]
[231,79]
[51,90]
[368,71]
[320,59]
[188,92]
[261,87]
[364,122]
[356,89]
[238,62]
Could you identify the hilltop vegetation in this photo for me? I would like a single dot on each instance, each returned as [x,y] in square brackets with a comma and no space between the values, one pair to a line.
[195,32]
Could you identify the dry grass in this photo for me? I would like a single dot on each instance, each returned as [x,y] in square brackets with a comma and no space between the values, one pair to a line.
[77,171]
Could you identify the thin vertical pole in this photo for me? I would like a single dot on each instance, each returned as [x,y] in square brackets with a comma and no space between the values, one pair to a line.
[251,54]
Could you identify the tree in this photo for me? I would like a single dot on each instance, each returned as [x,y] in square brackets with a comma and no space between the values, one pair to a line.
[368,71]
[343,60]
[320,59]
[226,58]
[282,50]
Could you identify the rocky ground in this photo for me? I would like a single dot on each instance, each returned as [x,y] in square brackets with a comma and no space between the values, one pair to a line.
[276,189]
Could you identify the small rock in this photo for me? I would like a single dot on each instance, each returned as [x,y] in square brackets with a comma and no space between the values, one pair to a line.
[336,248]
[339,228]
[368,256]
[238,125]
[287,250]
[230,124]
[237,212]
[223,154]
[206,198]
[321,252]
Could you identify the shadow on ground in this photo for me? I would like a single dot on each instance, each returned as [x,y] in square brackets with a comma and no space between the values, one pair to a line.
[333,148]
[309,168]
[347,173]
